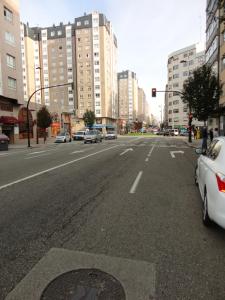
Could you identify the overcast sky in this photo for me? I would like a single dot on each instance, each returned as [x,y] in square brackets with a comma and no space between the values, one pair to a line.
[147,31]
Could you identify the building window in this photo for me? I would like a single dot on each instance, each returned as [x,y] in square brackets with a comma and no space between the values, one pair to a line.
[176,110]
[97,103]
[97,95]
[78,23]
[9,37]
[175,76]
[8,14]
[175,67]
[176,102]
[59,32]
[52,33]
[170,112]
[11,61]
[86,22]
[11,83]
[98,111]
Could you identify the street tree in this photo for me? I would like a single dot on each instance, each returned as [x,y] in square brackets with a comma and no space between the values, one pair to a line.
[44,119]
[201,92]
[89,118]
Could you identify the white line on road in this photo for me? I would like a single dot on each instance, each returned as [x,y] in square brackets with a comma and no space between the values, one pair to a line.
[37,152]
[35,156]
[147,159]
[130,149]
[150,152]
[53,168]
[78,151]
[172,153]
[136,182]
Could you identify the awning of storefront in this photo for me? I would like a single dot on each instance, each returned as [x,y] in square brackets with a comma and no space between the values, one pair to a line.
[8,120]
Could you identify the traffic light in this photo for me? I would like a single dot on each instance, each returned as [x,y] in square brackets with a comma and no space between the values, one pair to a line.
[154,92]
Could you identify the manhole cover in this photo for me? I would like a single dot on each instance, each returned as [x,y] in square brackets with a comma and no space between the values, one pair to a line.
[84,284]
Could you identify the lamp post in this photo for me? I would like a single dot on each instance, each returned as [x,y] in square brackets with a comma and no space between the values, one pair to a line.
[28,102]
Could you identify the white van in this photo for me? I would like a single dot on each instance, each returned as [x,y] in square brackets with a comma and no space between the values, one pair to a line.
[175,132]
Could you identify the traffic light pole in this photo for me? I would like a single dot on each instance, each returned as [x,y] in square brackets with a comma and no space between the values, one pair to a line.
[190,117]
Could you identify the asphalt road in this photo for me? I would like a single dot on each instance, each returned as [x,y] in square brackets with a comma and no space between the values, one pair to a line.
[127,198]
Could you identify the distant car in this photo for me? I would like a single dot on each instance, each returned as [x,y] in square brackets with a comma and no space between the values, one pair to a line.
[174,132]
[79,135]
[210,178]
[143,130]
[93,136]
[166,132]
[63,137]
[110,135]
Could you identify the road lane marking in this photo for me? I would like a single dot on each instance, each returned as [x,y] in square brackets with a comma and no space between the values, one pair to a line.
[124,152]
[77,151]
[53,168]
[150,152]
[136,182]
[172,153]
[31,157]
[147,159]
[37,152]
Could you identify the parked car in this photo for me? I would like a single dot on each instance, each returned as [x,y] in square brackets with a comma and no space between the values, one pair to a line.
[210,178]
[110,135]
[63,137]
[166,132]
[174,132]
[79,135]
[93,136]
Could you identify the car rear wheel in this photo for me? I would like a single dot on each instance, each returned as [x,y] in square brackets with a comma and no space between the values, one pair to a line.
[205,216]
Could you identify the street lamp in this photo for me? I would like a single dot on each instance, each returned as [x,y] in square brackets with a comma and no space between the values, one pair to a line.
[28,102]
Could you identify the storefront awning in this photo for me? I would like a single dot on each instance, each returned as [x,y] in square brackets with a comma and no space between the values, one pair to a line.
[8,120]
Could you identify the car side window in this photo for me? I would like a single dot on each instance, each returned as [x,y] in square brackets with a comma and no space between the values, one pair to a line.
[216,150]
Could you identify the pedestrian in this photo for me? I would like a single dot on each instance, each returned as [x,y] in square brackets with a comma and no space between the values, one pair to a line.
[216,132]
[195,133]
[204,139]
[211,135]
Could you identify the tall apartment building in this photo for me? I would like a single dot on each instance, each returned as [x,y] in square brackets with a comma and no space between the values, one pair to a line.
[48,60]
[141,105]
[215,52]
[166,111]
[96,76]
[11,95]
[181,64]
[84,53]
[128,96]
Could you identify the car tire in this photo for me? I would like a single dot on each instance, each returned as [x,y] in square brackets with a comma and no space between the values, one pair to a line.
[196,180]
[65,141]
[70,140]
[84,142]
[205,216]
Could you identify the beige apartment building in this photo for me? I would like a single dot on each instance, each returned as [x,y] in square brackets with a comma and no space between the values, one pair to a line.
[83,53]
[11,94]
[96,76]
[181,64]
[128,96]
[47,61]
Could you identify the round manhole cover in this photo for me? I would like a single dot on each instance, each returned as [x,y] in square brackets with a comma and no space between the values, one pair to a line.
[84,284]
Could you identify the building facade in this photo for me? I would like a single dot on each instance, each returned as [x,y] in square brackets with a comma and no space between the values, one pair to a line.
[128,96]
[83,53]
[96,76]
[181,64]
[11,94]
[215,53]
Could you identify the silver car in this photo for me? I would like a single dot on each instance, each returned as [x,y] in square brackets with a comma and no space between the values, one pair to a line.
[93,136]
[63,137]
[110,135]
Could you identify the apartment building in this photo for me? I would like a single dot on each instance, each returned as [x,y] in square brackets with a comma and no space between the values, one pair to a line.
[166,110]
[215,53]
[48,60]
[96,76]
[11,94]
[181,64]
[128,96]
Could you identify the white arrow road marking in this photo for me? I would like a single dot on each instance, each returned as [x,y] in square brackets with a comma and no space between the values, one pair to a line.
[78,151]
[136,182]
[172,153]
[129,149]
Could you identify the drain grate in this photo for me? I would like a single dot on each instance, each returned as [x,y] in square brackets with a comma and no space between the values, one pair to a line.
[84,284]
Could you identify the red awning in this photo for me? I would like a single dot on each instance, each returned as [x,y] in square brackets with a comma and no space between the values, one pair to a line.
[8,120]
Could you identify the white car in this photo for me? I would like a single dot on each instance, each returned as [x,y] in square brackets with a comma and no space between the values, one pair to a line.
[63,137]
[210,178]
[110,135]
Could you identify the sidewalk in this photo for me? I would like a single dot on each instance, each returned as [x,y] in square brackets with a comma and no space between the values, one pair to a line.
[195,143]
[22,144]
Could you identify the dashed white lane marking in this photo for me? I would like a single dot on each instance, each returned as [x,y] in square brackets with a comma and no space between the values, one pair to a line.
[147,159]
[78,151]
[136,182]
[36,156]
[53,168]
[150,152]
